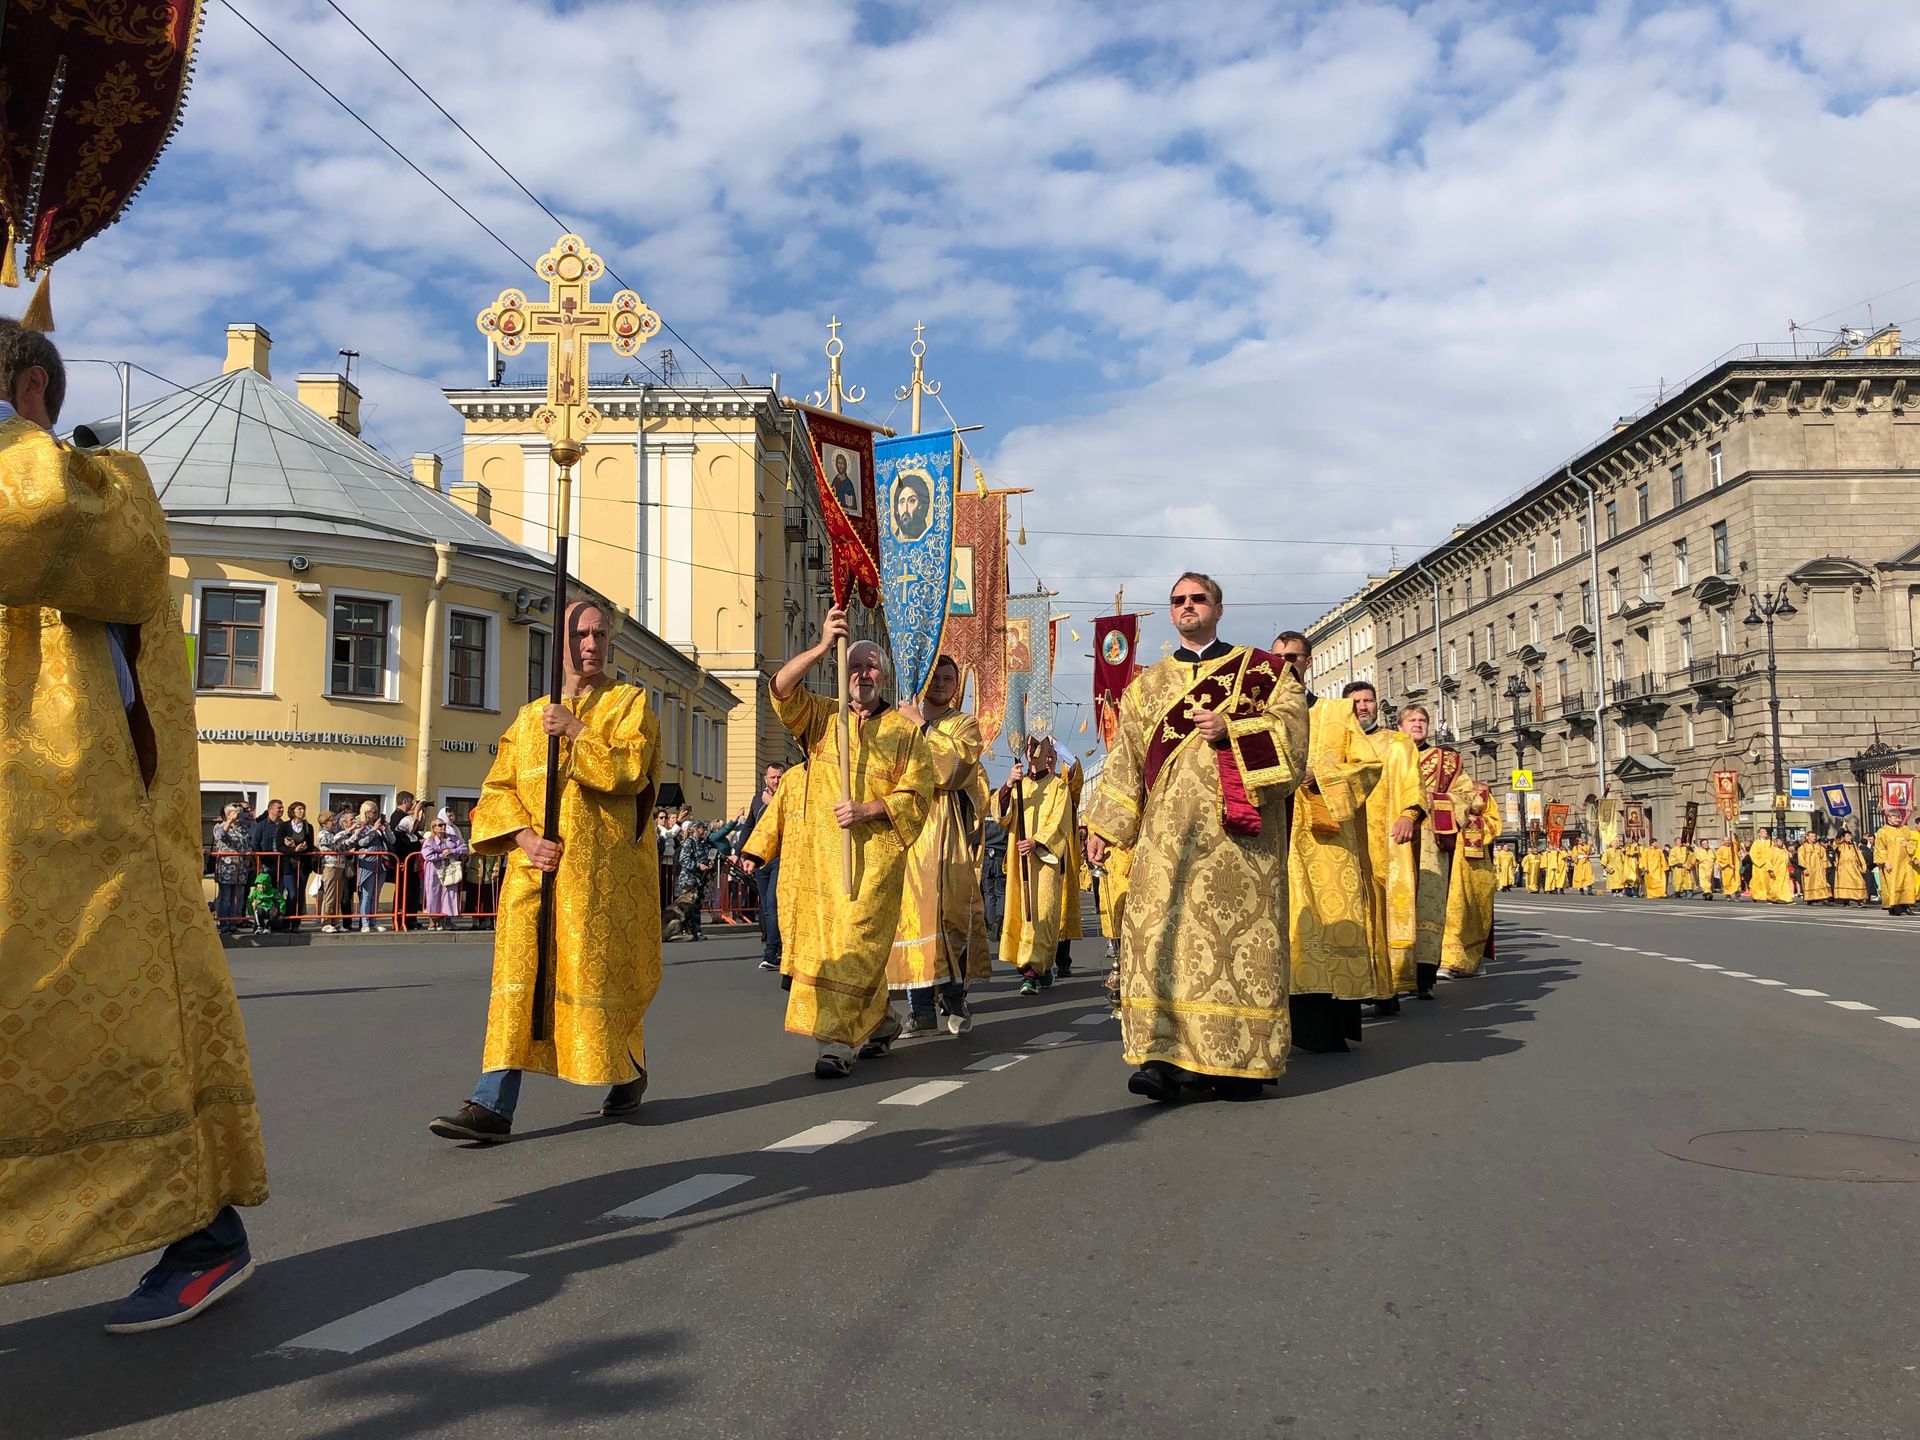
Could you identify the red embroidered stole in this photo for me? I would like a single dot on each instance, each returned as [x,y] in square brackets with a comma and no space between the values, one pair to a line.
[1239,688]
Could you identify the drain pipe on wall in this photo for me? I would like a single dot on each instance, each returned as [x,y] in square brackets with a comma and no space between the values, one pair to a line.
[1439,692]
[1599,641]
[429,657]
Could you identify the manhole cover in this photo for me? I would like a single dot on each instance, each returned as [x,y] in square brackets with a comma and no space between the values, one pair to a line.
[1804,1154]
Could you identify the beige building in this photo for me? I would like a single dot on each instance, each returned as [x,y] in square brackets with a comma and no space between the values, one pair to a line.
[1596,628]
[683,515]
[355,633]
[1342,641]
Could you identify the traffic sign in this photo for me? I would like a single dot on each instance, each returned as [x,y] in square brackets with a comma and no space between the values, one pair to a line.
[1801,804]
[1521,780]
[1800,784]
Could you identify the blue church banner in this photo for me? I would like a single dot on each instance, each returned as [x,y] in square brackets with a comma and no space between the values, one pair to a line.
[913,492]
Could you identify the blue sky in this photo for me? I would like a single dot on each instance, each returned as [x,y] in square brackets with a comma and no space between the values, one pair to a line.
[1347,273]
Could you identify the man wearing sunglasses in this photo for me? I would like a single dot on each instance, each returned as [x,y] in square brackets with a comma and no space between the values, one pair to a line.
[1210,743]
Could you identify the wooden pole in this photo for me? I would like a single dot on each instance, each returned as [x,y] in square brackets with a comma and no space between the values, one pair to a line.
[846,776]
[543,978]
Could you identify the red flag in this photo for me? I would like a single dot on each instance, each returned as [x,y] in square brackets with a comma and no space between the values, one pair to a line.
[977,606]
[842,452]
[1114,639]
[1053,644]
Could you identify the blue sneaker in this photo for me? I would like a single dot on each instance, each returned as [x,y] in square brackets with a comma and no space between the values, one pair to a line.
[164,1298]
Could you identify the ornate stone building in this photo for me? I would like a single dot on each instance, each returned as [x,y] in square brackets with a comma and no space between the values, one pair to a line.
[1342,641]
[1602,629]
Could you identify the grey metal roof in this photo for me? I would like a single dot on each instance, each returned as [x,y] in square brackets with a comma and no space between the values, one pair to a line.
[236,450]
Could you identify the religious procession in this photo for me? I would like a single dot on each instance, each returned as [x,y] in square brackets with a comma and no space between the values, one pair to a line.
[741,843]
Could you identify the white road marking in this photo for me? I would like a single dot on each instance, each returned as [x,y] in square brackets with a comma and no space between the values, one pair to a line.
[1762,980]
[368,1327]
[1848,1005]
[673,1199]
[1810,994]
[1050,1039]
[1703,965]
[1737,974]
[1905,1022]
[818,1137]
[921,1094]
[1100,1019]
[997,1062]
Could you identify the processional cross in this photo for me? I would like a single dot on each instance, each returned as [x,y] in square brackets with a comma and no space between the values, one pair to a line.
[567,323]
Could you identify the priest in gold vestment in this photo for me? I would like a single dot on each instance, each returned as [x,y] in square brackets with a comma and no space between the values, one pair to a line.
[839,943]
[127,1111]
[1394,811]
[1210,743]
[1449,791]
[1338,960]
[606,925]
[1849,870]
[942,935]
[1893,858]
[1503,867]
[1035,808]
[1582,877]
[1771,882]
[1468,938]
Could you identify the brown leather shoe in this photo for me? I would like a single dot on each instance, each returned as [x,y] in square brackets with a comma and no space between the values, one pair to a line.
[624,1098]
[473,1123]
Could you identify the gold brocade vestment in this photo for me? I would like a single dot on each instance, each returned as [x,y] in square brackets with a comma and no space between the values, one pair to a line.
[127,1114]
[1030,930]
[838,946]
[1469,934]
[1396,864]
[1893,853]
[1203,954]
[942,935]
[1436,863]
[1332,939]
[768,836]
[1849,872]
[1771,882]
[1582,878]
[606,933]
[1815,883]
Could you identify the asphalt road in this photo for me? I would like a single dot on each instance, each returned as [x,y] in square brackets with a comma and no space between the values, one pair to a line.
[1475,1225]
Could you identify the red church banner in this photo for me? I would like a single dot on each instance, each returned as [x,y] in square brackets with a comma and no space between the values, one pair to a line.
[842,453]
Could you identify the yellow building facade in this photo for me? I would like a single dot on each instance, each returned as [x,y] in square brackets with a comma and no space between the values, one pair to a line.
[355,634]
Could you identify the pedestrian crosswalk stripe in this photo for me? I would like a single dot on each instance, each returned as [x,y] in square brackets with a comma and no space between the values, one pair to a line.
[1810,994]
[368,1327]
[683,1195]
[921,1094]
[1703,965]
[1905,1022]
[818,1137]
[1100,1019]
[996,1062]
[1737,974]
[1762,980]
[1051,1038]
[1848,1005]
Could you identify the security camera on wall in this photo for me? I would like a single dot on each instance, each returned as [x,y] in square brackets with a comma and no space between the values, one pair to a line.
[301,564]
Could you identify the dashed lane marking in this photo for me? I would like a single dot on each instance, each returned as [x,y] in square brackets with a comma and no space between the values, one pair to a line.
[695,1190]
[1849,1005]
[921,1094]
[1050,1039]
[1810,994]
[818,1137]
[1905,1022]
[1100,1019]
[1703,965]
[368,1327]
[1762,980]
[997,1062]
[1738,974]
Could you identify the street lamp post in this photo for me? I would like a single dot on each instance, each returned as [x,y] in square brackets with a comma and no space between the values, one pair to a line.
[1516,689]
[1777,605]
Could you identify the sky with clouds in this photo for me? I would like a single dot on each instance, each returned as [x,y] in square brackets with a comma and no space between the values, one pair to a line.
[1333,274]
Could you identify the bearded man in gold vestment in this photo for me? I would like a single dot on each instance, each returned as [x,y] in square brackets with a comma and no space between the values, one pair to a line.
[1209,744]
[1849,871]
[1394,809]
[1468,938]
[1772,884]
[127,1113]
[1893,860]
[606,926]
[836,945]
[1449,792]
[1035,807]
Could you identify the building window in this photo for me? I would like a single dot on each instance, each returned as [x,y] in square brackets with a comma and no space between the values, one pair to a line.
[1613,518]
[1492,652]
[1613,592]
[1513,633]
[1453,658]
[1641,506]
[1449,602]
[1716,467]
[1619,661]
[1722,552]
[1559,614]
[1469,650]
[1509,572]
[1679,476]
[1646,577]
[1556,547]
[1680,571]
[361,648]
[1686,721]
[1533,559]
[1489,578]
[1686,650]
[1584,538]
[1469,595]
[539,682]
[1586,603]
[233,632]
[1562,680]
[467,667]
[1533,624]
[1726,724]
[1723,622]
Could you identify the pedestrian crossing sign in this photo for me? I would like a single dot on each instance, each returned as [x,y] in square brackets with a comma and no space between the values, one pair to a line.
[1521,780]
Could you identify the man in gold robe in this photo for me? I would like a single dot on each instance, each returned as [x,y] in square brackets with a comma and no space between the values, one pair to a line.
[1556,872]
[1582,877]
[1337,960]
[1771,883]
[1703,868]
[761,853]
[1652,861]
[127,1112]
[1816,881]
[1468,938]
[1893,862]
[942,934]
[1450,792]
[1534,868]
[1072,924]
[1503,867]
[1849,871]
[1726,864]
[1210,743]
[1680,869]
[605,864]
[1035,808]
[1393,811]
[1110,880]
[837,944]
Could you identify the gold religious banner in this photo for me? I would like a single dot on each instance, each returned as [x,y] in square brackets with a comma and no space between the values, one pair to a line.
[567,324]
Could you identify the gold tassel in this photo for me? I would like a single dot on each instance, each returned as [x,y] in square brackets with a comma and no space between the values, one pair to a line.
[1023,524]
[9,267]
[979,480]
[39,312]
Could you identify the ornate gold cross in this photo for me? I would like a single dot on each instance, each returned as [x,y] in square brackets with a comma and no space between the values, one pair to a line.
[567,324]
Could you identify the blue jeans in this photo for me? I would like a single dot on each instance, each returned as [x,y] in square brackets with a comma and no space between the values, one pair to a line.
[920,998]
[232,903]
[768,879]
[369,898]
[221,1240]
[499,1090]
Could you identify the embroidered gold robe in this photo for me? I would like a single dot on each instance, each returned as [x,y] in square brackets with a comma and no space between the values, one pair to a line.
[1582,878]
[1893,854]
[1726,859]
[1396,865]
[127,1114]
[1436,864]
[839,946]
[1203,954]
[1534,867]
[1703,868]
[942,934]
[1556,873]
[768,837]
[1469,933]
[1073,925]
[1815,882]
[1503,868]
[1849,872]
[1771,882]
[1332,937]
[607,927]
[1030,930]
[1680,870]
[1113,889]
[1651,861]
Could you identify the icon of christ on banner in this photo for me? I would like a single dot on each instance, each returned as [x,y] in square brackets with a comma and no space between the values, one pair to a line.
[960,598]
[843,470]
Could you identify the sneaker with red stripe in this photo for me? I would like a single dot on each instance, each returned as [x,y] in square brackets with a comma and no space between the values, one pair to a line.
[171,1297]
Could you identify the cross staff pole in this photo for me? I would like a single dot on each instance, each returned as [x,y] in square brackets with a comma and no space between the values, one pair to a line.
[543,978]
[846,777]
